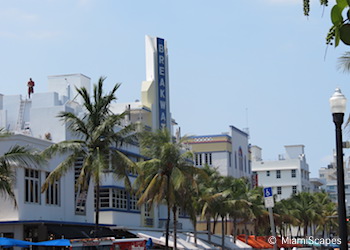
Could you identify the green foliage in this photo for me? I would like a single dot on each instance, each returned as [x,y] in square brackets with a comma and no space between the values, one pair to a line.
[17,156]
[340,17]
[97,145]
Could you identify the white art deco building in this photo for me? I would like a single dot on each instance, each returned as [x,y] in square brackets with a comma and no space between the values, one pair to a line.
[288,175]
[34,122]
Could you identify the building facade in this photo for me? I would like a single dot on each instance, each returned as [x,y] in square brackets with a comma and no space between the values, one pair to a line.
[328,175]
[288,175]
[229,153]
[34,122]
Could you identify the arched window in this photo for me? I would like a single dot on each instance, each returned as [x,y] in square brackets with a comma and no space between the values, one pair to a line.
[240,158]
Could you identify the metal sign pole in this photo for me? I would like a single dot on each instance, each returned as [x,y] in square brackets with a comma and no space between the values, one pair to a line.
[273,230]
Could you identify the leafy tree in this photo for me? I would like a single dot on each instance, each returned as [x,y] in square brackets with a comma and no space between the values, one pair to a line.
[99,134]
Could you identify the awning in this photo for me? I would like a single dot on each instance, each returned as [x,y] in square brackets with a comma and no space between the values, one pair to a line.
[54,243]
[7,242]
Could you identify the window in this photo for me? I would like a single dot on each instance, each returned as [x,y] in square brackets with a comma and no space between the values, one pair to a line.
[235,159]
[197,159]
[206,160]
[278,174]
[104,197]
[240,159]
[211,159]
[294,189]
[267,173]
[294,173]
[32,186]
[119,199]
[133,203]
[147,210]
[229,159]
[200,159]
[53,193]
[279,190]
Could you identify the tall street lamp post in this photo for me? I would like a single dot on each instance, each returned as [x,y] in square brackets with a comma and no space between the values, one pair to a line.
[338,106]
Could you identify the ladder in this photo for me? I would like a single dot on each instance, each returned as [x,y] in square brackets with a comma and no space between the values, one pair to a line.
[20,118]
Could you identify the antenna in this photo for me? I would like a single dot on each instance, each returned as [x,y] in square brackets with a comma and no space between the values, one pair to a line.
[246,129]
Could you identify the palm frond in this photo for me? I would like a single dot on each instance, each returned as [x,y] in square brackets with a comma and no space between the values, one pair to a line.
[21,156]
[344,62]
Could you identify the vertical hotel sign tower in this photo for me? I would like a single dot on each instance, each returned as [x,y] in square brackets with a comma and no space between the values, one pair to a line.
[157,75]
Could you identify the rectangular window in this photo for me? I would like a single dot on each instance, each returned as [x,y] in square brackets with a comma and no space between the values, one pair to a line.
[211,160]
[147,210]
[294,189]
[104,198]
[53,193]
[278,174]
[197,159]
[206,160]
[133,203]
[32,186]
[279,190]
[229,159]
[119,199]
[267,173]
[294,173]
[200,159]
[235,159]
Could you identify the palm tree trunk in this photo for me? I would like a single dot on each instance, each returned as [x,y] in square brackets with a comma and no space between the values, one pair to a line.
[97,209]
[214,224]
[234,229]
[222,232]
[168,219]
[195,231]
[208,227]
[175,227]
[305,230]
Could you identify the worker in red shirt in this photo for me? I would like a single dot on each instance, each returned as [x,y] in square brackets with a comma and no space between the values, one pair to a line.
[30,87]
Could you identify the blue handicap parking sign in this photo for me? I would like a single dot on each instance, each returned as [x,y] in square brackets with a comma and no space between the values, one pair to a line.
[267,192]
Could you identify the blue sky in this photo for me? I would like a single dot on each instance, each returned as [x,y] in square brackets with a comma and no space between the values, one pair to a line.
[259,64]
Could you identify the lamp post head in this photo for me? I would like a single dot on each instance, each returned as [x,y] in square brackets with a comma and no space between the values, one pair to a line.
[337,102]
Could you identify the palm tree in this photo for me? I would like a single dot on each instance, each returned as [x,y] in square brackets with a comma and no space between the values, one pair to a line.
[17,156]
[209,196]
[99,134]
[284,212]
[305,209]
[160,177]
[344,62]
[238,202]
